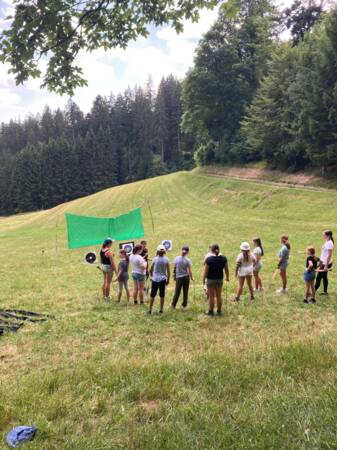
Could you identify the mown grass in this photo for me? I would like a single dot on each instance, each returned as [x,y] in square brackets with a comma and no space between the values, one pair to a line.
[106,376]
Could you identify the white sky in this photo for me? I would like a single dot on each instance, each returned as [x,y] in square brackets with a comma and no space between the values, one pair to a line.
[162,53]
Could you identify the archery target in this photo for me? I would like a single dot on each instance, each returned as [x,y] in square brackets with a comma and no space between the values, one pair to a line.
[127,246]
[167,244]
[90,257]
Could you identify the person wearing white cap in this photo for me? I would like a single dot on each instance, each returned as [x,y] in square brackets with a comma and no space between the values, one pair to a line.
[160,275]
[244,270]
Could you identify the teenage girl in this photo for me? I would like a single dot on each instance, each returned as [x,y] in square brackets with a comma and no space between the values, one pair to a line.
[182,274]
[283,263]
[209,253]
[244,270]
[145,254]
[160,275]
[215,265]
[325,262]
[310,274]
[123,275]
[108,267]
[138,272]
[258,253]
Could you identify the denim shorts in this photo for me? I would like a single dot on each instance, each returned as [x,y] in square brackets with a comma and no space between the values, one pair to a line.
[283,265]
[214,283]
[138,277]
[258,267]
[106,268]
[309,276]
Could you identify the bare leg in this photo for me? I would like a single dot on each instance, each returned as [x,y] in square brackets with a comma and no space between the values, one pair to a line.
[211,292]
[162,301]
[256,278]
[120,290]
[127,290]
[250,286]
[141,291]
[135,291]
[283,275]
[307,289]
[313,290]
[151,303]
[108,283]
[241,282]
[104,285]
[218,299]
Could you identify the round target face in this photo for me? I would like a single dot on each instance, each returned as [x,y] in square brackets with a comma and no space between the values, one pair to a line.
[90,257]
[168,245]
[128,248]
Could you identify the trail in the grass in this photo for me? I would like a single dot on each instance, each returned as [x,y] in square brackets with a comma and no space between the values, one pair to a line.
[267,182]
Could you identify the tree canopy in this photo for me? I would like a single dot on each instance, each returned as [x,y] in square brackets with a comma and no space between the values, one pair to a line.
[59,29]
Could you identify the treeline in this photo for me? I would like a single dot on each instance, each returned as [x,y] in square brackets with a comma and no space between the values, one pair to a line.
[62,155]
[251,96]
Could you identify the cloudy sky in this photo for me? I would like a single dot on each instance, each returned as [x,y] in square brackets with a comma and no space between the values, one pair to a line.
[162,53]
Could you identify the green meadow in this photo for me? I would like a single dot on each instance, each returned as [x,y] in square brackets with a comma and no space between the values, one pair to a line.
[106,376]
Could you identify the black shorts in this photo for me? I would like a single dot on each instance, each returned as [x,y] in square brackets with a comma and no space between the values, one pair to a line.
[158,285]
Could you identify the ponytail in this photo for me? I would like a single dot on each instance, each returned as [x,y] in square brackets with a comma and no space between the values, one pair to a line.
[329,234]
[285,240]
[215,249]
[258,242]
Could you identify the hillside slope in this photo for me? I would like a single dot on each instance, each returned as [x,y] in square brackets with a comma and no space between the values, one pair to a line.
[103,375]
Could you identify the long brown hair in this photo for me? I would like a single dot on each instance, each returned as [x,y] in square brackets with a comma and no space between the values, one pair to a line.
[246,255]
[285,241]
[258,242]
[329,234]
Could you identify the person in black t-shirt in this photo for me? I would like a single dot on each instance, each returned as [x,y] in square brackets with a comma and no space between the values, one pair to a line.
[215,265]
[310,275]
[108,267]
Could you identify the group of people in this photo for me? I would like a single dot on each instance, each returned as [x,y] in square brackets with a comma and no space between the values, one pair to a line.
[249,263]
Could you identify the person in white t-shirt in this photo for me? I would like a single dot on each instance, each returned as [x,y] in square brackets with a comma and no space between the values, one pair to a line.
[245,263]
[138,272]
[258,252]
[325,262]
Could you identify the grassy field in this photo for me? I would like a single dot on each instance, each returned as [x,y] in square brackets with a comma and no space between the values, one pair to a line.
[106,376]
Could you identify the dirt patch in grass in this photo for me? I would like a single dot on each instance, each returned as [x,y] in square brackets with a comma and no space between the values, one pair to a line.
[8,352]
[214,200]
[275,177]
[149,406]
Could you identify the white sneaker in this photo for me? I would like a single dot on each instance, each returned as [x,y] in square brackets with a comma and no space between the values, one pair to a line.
[282,291]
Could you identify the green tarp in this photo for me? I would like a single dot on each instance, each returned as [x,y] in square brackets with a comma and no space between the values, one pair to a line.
[84,230]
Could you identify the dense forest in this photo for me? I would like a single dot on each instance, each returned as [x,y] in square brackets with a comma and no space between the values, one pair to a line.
[253,96]
[263,87]
[61,155]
